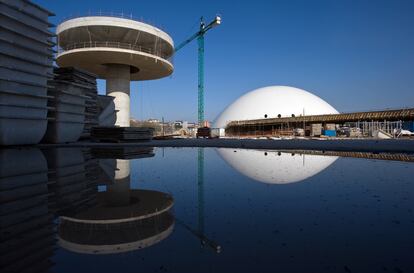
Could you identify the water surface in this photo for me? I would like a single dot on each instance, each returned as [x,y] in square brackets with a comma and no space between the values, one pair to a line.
[204,210]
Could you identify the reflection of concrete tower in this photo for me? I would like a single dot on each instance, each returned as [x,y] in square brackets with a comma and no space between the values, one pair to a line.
[122,219]
[116,49]
[118,193]
[90,238]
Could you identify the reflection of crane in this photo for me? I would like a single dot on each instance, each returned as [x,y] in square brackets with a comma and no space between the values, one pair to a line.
[216,247]
[200,182]
[199,233]
[200,39]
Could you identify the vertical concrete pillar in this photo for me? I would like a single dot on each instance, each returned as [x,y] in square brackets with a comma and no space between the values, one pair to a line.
[117,85]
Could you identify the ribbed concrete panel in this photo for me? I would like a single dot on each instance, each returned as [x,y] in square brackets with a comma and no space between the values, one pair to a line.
[26,59]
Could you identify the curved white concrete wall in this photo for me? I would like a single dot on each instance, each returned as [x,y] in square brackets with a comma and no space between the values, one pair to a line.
[108,21]
[92,42]
[95,60]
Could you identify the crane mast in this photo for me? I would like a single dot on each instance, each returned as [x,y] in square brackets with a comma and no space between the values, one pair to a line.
[199,35]
[200,41]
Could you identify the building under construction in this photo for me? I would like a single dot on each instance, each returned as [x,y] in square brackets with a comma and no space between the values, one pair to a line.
[386,123]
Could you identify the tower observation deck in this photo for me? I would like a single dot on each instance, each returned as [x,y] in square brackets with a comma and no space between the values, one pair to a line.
[117,49]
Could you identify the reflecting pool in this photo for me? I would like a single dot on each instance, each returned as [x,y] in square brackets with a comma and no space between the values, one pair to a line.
[205,210]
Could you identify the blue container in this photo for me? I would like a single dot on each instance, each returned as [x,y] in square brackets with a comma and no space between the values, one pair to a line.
[331,133]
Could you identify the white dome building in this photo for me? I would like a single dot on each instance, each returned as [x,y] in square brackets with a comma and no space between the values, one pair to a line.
[273,102]
[273,167]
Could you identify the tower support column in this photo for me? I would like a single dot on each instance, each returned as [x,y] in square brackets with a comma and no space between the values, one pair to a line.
[118,86]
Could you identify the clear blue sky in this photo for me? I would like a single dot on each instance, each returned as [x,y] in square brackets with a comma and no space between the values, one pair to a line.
[357,55]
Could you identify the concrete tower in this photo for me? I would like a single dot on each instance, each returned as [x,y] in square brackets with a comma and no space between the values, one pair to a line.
[117,49]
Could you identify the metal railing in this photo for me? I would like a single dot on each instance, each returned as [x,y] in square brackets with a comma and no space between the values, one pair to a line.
[122,15]
[109,44]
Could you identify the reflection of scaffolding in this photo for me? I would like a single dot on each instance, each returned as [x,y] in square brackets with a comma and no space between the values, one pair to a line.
[380,156]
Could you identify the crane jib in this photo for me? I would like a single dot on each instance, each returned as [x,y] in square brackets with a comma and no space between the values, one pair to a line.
[199,35]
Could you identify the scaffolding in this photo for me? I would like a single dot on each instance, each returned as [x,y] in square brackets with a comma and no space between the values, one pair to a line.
[371,128]
[358,124]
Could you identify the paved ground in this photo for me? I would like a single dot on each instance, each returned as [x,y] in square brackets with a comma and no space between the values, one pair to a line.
[357,145]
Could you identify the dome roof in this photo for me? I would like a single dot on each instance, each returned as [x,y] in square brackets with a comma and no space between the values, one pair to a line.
[272,101]
[273,167]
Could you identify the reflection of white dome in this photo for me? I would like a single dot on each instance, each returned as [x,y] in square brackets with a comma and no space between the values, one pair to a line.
[273,167]
[272,101]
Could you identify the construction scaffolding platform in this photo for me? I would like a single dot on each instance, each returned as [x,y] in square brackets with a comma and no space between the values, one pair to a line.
[387,120]
[389,115]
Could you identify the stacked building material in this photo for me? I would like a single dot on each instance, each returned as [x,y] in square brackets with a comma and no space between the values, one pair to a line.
[25,64]
[353,132]
[123,152]
[106,109]
[67,111]
[27,237]
[299,132]
[88,83]
[91,112]
[122,134]
[316,129]
[92,169]
[67,179]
